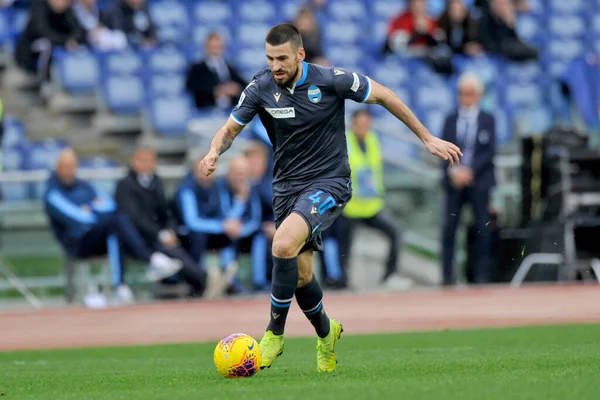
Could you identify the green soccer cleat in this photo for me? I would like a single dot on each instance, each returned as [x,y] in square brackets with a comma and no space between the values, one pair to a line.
[326,359]
[271,347]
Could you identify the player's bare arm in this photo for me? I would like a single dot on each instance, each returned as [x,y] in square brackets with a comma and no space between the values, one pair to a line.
[386,98]
[220,143]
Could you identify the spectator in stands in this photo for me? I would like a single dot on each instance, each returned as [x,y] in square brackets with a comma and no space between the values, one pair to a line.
[498,33]
[460,29]
[522,6]
[141,196]
[367,206]
[197,207]
[213,81]
[474,131]
[413,30]
[261,176]
[86,223]
[51,23]
[306,22]
[98,35]
[132,18]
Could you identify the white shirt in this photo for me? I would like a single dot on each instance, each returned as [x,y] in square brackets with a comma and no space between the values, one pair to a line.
[466,132]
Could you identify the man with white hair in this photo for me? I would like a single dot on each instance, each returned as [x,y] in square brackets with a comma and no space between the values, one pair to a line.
[474,131]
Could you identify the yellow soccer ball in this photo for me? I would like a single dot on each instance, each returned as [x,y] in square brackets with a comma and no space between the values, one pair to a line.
[237,356]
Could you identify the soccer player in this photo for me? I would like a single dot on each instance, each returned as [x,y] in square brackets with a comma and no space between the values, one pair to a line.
[301,106]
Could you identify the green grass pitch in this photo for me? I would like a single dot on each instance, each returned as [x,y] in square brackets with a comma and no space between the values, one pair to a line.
[561,362]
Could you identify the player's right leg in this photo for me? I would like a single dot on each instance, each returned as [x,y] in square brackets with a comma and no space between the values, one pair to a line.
[287,243]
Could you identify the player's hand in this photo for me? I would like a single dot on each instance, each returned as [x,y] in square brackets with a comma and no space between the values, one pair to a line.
[208,165]
[232,228]
[445,150]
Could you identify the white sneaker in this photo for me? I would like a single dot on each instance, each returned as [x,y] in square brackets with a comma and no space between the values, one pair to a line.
[124,295]
[397,283]
[95,301]
[162,267]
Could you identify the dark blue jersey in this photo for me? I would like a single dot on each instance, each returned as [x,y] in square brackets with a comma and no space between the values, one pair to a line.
[305,123]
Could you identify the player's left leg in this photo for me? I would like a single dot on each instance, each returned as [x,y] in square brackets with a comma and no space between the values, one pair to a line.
[309,296]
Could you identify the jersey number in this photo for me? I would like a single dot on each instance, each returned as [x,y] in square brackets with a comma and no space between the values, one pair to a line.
[325,205]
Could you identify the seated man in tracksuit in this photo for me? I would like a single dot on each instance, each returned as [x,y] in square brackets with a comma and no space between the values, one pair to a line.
[87,224]
[261,175]
[224,214]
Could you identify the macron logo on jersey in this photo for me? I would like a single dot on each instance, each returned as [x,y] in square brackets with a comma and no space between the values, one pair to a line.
[280,113]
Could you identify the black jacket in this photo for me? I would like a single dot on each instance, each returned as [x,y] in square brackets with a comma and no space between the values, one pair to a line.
[147,208]
[136,24]
[45,23]
[201,82]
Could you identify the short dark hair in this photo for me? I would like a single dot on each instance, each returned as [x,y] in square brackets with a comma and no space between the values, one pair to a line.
[283,33]
[361,111]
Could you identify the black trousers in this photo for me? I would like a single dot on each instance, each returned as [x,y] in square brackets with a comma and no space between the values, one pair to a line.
[478,198]
[386,223]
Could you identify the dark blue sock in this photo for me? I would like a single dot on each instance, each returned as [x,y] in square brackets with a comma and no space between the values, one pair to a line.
[310,300]
[285,280]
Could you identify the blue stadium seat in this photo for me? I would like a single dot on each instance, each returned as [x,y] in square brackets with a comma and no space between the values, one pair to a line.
[171,20]
[78,70]
[565,49]
[14,133]
[523,72]
[504,130]
[339,32]
[169,115]
[43,156]
[122,63]
[19,20]
[344,56]
[387,9]
[533,120]
[211,12]
[379,31]
[106,186]
[14,160]
[562,6]
[251,34]
[123,94]
[596,25]
[517,95]
[488,68]
[439,97]
[166,84]
[530,28]
[434,121]
[347,10]
[251,60]
[166,59]
[436,7]
[5,26]
[390,73]
[288,9]
[257,11]
[567,26]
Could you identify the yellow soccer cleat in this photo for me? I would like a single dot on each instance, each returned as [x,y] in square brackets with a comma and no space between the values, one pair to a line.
[326,360]
[271,347]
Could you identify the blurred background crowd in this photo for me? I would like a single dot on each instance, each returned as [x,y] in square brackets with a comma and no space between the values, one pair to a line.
[129,92]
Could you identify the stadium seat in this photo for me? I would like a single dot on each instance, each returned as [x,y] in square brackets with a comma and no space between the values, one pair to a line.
[123,94]
[434,121]
[390,73]
[436,7]
[339,32]
[122,63]
[251,60]
[519,72]
[252,34]
[438,97]
[165,84]
[567,26]
[14,133]
[77,70]
[565,49]
[257,11]
[211,12]
[561,6]
[488,68]
[504,131]
[288,9]
[13,161]
[529,27]
[106,186]
[166,59]
[19,20]
[347,10]
[5,26]
[344,56]
[532,120]
[387,9]
[169,115]
[522,95]
[171,20]
[596,25]
[43,156]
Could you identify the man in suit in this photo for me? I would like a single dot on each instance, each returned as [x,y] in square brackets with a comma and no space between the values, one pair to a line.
[213,81]
[474,131]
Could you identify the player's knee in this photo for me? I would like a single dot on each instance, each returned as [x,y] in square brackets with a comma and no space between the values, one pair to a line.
[284,247]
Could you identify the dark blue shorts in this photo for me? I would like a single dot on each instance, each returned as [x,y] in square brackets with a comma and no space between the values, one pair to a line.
[319,203]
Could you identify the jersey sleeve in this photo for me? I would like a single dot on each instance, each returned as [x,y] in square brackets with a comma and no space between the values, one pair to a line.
[351,85]
[247,106]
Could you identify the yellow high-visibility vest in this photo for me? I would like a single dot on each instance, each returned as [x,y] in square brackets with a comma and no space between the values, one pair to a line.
[367,177]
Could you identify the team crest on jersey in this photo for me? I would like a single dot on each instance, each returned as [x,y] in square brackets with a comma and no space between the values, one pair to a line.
[314,94]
